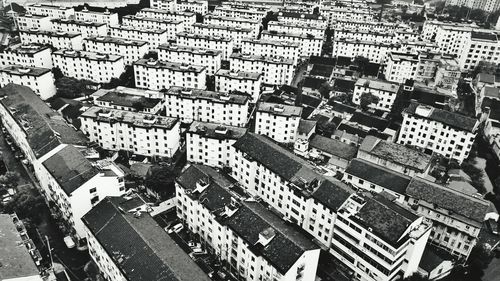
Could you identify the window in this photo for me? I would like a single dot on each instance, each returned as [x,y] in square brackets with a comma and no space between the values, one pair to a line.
[93,190]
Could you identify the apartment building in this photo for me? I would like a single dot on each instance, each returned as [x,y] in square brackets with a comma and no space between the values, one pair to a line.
[240,11]
[385,91]
[273,48]
[457,218]
[349,12]
[40,80]
[256,243]
[209,143]
[278,121]
[120,227]
[195,6]
[304,29]
[191,55]
[236,33]
[85,28]
[246,82]
[365,35]
[187,18]
[376,26]
[401,67]
[29,21]
[223,44]
[140,133]
[96,67]
[168,5]
[374,51]
[158,75]
[55,12]
[142,22]
[436,130]
[192,104]
[154,37]
[310,45]
[448,73]
[246,23]
[129,99]
[99,17]
[57,39]
[130,50]
[31,55]
[302,18]
[479,46]
[275,70]
[378,239]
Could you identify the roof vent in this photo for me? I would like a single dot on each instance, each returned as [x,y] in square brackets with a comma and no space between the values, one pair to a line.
[266,235]
[202,184]
[278,108]
[423,110]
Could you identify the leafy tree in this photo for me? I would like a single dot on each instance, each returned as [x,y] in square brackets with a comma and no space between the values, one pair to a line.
[418,2]
[68,87]
[366,99]
[151,55]
[26,204]
[361,62]
[161,180]
[384,2]
[269,17]
[56,71]
[325,90]
[9,180]
[138,106]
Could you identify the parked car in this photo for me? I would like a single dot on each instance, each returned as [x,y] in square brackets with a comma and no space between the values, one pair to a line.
[177,228]
[69,242]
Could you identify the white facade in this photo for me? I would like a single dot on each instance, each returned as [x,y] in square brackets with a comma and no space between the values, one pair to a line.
[187,18]
[40,80]
[191,55]
[145,23]
[401,67]
[154,37]
[302,29]
[479,46]
[376,26]
[302,19]
[195,6]
[386,92]
[223,44]
[239,11]
[275,70]
[236,33]
[247,82]
[168,5]
[279,122]
[374,51]
[140,133]
[86,29]
[92,66]
[98,17]
[131,50]
[55,12]
[273,48]
[32,55]
[246,23]
[29,21]
[158,75]
[310,45]
[58,40]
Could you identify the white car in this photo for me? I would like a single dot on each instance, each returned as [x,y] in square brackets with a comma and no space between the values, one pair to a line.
[178,227]
[69,242]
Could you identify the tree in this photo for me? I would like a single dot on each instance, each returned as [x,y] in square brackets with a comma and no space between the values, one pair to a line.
[161,181]
[68,87]
[9,180]
[418,2]
[361,62]
[325,90]
[151,55]
[384,2]
[56,71]
[26,204]
[366,99]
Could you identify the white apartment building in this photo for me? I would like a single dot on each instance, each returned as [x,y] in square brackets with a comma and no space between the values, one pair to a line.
[479,46]
[304,29]
[168,5]
[158,75]
[349,12]
[247,82]
[378,239]
[223,44]
[401,67]
[210,143]
[140,133]
[129,99]
[154,37]
[58,39]
[240,11]
[187,18]
[29,21]
[55,12]
[374,51]
[85,28]
[96,67]
[145,23]
[302,18]
[365,35]
[376,26]
[99,17]
[34,55]
[195,6]
[310,45]
[280,122]
[273,48]
[256,243]
[236,33]
[246,23]
[76,185]
[275,70]
[448,37]
[191,104]
[436,130]
[131,50]
[40,80]
[386,92]
[191,55]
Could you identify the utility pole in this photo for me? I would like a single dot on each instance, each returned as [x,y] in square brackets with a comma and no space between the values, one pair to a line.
[50,252]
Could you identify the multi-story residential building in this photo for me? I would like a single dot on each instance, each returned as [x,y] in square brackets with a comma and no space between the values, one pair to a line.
[131,50]
[126,243]
[129,99]
[386,92]
[168,5]
[100,17]
[191,104]
[96,67]
[154,37]
[240,11]
[257,244]
[187,18]
[55,12]
[140,133]
[246,82]
[303,29]
[335,153]
[236,33]
[310,44]
[195,6]
[378,239]
[401,67]
[191,55]
[300,19]
[86,29]
[223,44]
[273,48]
[479,46]
[75,184]
[275,70]
[210,143]
[246,23]
[436,130]
[397,157]
[365,35]
[349,12]
[172,26]
[158,75]
[40,80]
[32,55]
[57,39]
[448,73]
[374,51]
[29,21]
[377,26]
[278,121]
[457,218]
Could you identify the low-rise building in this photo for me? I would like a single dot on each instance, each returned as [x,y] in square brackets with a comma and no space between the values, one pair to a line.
[401,67]
[85,28]
[140,133]
[234,10]
[158,75]
[53,11]
[191,55]
[223,44]
[145,23]
[246,23]
[187,18]
[302,18]
[310,45]
[386,92]
[168,5]
[236,33]
[57,39]
[100,17]
[154,37]
[195,6]
[131,50]
[246,82]
[31,55]
[191,104]
[96,67]
[275,70]
[29,21]
[40,80]
[273,48]
[129,99]
[335,153]
[278,121]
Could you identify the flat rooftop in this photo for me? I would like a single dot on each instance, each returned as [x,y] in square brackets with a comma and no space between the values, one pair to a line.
[378,85]
[78,22]
[291,34]
[116,40]
[223,27]
[216,131]
[267,59]
[174,66]
[231,19]
[271,42]
[122,98]
[304,26]
[279,109]
[242,75]
[189,49]
[138,17]
[19,70]
[87,55]
[204,37]
[166,12]
[220,97]
[138,29]
[22,49]
[37,31]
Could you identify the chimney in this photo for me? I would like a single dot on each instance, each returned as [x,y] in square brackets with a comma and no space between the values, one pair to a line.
[266,235]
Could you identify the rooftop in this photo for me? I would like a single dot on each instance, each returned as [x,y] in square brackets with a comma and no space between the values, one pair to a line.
[368,120]
[267,59]
[451,119]
[305,25]
[20,70]
[78,22]
[225,27]
[488,36]
[378,85]
[189,49]
[216,131]
[122,97]
[306,126]
[87,55]
[115,40]
[279,109]
[174,66]
[204,37]
[433,257]
[141,17]
[161,11]
[138,29]
[25,48]
[300,15]
[50,33]
[333,147]
[221,18]
[271,42]
[273,33]
[238,74]
[190,93]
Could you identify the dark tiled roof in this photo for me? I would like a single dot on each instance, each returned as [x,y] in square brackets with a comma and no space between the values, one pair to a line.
[368,120]
[313,83]
[432,258]
[371,69]
[451,119]
[322,60]
[494,106]
[321,70]
[334,147]
[342,108]
[378,175]
[344,85]
[308,100]
[343,61]
[332,193]
[139,246]
[305,126]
